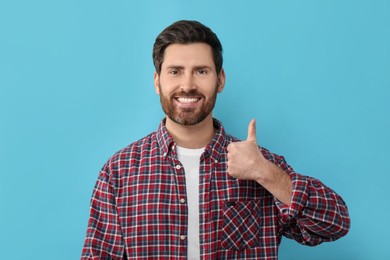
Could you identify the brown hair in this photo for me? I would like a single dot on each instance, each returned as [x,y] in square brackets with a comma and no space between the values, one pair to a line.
[184,32]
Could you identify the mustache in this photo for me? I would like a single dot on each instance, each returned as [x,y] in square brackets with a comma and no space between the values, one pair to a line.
[190,93]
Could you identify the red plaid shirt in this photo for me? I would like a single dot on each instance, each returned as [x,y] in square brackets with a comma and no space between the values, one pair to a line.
[139,210]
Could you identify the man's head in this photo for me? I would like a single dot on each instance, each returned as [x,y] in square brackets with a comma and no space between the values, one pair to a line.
[189,74]
[185,32]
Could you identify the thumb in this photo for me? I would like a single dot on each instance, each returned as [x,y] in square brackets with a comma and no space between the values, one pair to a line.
[252,131]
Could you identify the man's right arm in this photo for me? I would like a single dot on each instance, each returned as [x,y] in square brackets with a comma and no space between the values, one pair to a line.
[104,238]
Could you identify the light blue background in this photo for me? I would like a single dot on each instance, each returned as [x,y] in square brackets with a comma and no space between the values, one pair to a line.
[76,85]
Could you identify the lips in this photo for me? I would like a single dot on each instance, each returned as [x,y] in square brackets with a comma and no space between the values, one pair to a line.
[187,100]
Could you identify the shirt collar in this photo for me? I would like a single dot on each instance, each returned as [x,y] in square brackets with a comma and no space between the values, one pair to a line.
[215,148]
[164,139]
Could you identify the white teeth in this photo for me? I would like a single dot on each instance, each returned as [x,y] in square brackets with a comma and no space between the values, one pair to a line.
[187,100]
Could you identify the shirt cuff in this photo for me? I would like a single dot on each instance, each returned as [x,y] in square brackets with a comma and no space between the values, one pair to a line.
[299,199]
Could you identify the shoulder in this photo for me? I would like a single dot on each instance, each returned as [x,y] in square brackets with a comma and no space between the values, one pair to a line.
[133,152]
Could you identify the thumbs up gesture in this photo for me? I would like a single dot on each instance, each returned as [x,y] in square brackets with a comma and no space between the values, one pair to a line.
[246,162]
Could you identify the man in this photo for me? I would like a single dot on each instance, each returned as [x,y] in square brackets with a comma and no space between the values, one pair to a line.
[191,191]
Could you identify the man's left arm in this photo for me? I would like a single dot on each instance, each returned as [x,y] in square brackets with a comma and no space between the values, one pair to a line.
[315,213]
[309,211]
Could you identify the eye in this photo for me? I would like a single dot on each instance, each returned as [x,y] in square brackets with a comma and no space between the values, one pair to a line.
[173,72]
[202,71]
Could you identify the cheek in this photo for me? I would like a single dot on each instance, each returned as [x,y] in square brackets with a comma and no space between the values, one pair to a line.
[167,87]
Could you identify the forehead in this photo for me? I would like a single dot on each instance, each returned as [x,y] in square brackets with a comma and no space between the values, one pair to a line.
[192,54]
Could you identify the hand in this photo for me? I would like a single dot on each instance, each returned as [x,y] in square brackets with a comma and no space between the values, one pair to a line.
[245,160]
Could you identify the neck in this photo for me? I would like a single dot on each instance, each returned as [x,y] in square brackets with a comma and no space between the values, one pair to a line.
[194,136]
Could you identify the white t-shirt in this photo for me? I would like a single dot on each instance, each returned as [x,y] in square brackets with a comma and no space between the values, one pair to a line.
[190,159]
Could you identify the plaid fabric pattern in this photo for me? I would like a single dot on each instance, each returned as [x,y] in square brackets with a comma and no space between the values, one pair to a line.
[138,206]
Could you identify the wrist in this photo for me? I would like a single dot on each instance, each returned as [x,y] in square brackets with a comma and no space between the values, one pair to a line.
[277,182]
[267,174]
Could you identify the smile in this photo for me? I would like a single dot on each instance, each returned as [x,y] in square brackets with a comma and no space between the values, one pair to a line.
[187,100]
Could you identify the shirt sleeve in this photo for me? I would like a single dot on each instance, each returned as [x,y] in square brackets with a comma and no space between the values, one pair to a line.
[317,214]
[104,237]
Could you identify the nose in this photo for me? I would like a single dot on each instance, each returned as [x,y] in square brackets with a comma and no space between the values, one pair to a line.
[188,82]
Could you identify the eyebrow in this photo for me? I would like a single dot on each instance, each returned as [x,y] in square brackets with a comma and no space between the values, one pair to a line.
[175,67]
[202,67]
[179,67]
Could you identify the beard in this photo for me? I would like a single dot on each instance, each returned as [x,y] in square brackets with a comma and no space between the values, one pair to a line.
[187,116]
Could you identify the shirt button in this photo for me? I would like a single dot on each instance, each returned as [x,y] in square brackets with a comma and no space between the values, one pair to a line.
[165,154]
[178,166]
[182,237]
[216,161]
[182,200]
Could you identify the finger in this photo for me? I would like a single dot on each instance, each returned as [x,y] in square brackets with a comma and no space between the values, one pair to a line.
[252,131]
[229,147]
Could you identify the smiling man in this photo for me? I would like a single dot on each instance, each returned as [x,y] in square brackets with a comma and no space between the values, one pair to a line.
[190,190]
[188,83]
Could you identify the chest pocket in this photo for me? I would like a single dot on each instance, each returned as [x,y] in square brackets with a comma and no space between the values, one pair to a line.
[241,225]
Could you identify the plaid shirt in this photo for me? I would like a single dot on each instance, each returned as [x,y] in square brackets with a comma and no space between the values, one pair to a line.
[139,210]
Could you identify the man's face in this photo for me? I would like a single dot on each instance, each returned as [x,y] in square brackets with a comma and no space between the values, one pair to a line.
[188,83]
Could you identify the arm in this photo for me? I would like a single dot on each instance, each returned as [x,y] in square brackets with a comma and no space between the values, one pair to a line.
[316,213]
[309,212]
[104,237]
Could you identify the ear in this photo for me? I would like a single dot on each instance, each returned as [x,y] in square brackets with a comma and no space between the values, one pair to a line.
[157,83]
[221,80]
